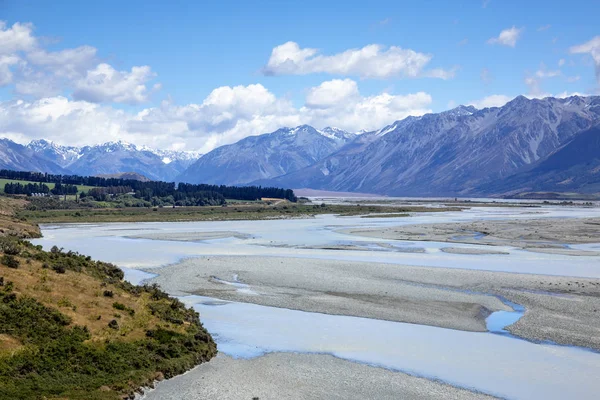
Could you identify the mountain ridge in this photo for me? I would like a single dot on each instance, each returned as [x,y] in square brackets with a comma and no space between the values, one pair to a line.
[265,156]
[461,152]
[450,153]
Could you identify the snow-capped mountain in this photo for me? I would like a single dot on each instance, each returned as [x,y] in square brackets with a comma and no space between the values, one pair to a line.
[21,158]
[180,160]
[61,155]
[115,157]
[266,156]
[451,153]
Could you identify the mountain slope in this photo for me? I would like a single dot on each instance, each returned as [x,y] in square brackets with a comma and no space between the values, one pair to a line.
[573,168]
[450,153]
[20,158]
[266,156]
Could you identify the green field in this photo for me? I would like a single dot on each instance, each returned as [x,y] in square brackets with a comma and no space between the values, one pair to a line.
[212,213]
[80,188]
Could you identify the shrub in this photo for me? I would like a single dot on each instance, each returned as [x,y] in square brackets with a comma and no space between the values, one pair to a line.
[123,307]
[59,269]
[113,324]
[9,246]
[10,261]
[108,293]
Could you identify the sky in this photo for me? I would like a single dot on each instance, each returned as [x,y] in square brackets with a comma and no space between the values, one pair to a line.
[189,75]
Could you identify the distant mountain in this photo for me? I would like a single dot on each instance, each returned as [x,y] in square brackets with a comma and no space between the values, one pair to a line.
[178,160]
[526,145]
[61,155]
[450,153]
[266,156]
[114,158]
[20,158]
[573,168]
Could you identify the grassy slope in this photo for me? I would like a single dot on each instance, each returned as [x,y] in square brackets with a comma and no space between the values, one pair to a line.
[55,338]
[4,181]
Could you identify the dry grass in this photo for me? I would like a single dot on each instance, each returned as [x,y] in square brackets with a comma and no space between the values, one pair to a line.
[9,344]
[81,297]
[10,224]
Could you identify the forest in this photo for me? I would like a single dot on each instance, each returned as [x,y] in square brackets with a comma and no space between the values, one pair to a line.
[39,188]
[184,193]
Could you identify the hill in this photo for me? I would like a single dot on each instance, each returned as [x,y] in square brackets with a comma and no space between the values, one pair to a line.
[73,329]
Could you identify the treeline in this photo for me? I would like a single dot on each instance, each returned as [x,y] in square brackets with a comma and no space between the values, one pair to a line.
[156,189]
[31,188]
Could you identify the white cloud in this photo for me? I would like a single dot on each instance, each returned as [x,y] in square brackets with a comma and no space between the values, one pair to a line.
[494,100]
[367,113]
[561,62]
[226,115]
[572,79]
[544,28]
[18,37]
[36,72]
[68,63]
[591,47]
[6,75]
[372,61]
[507,37]
[331,93]
[105,84]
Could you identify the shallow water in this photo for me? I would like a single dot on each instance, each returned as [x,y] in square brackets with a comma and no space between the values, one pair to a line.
[283,238]
[494,364]
[491,363]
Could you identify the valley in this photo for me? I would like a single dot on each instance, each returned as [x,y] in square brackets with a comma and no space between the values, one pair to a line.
[281,297]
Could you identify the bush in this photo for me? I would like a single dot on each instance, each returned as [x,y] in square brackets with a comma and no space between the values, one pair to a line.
[59,269]
[9,246]
[10,261]
[108,293]
[113,324]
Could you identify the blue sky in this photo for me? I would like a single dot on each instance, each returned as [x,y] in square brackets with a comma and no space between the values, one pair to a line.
[432,55]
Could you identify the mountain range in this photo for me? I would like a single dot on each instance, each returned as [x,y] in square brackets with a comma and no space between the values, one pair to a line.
[457,152]
[525,145]
[104,159]
[266,156]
